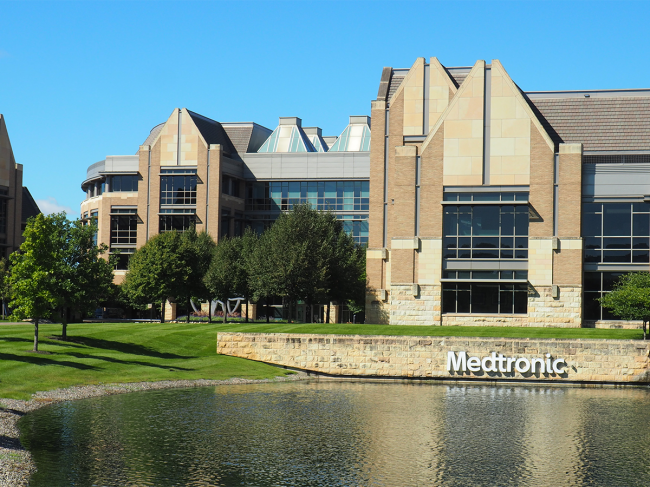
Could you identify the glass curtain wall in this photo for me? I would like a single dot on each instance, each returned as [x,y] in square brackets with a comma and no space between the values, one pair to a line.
[487,227]
[177,199]
[616,236]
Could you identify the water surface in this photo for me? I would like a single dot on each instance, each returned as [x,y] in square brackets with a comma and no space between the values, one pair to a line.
[345,434]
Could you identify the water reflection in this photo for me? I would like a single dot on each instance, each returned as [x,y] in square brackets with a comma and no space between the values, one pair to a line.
[345,433]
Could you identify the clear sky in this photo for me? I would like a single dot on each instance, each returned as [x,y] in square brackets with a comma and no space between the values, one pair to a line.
[80,80]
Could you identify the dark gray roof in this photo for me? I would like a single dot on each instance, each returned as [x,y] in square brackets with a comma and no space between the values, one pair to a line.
[212,132]
[601,124]
[30,208]
[239,136]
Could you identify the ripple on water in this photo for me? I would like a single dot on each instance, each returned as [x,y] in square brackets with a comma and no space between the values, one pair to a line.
[345,434]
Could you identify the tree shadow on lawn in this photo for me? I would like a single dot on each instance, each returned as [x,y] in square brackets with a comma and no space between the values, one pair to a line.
[125,362]
[10,443]
[124,347]
[38,360]
[50,341]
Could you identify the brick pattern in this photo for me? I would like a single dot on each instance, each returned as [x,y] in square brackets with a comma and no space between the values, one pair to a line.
[562,312]
[618,361]
[567,267]
[406,309]
[403,184]
[376,213]
[395,139]
[401,266]
[570,195]
[541,184]
[431,186]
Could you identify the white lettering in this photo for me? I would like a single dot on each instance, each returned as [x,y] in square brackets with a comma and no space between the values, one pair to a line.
[456,364]
[556,362]
[492,359]
[537,361]
[474,364]
[461,362]
[520,368]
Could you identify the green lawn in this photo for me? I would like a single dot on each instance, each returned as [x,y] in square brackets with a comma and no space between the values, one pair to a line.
[133,352]
[110,353]
[457,331]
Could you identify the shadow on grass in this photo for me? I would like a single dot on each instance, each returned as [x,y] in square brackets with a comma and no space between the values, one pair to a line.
[12,411]
[16,339]
[125,362]
[38,360]
[123,347]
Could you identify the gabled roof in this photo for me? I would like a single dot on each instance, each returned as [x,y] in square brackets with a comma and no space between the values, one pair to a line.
[212,132]
[30,208]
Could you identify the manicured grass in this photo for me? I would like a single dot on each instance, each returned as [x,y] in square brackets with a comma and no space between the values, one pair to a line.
[115,352]
[456,331]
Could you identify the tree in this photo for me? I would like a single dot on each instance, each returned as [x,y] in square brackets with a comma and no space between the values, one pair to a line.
[85,276]
[200,247]
[306,255]
[35,278]
[58,266]
[630,298]
[5,288]
[221,279]
[157,271]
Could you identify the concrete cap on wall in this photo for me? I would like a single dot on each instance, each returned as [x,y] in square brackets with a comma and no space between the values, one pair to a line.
[313,131]
[290,121]
[356,119]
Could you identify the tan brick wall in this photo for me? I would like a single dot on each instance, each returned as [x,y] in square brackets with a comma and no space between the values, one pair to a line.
[407,309]
[395,139]
[376,213]
[401,266]
[570,190]
[431,186]
[143,154]
[201,188]
[403,211]
[541,184]
[567,267]
[618,361]
[214,210]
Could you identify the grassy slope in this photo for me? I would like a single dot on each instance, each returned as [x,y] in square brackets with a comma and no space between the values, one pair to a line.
[476,331]
[131,352]
[115,353]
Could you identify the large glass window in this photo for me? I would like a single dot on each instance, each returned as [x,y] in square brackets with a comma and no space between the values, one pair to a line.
[225,222]
[616,232]
[485,232]
[178,189]
[484,297]
[176,222]
[124,229]
[321,195]
[596,285]
[123,182]
[231,186]
[94,215]
[3,216]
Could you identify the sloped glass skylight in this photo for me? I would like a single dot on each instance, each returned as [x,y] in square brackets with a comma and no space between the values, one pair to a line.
[315,136]
[355,137]
[288,137]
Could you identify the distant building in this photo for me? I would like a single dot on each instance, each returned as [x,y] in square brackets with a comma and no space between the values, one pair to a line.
[16,202]
[223,177]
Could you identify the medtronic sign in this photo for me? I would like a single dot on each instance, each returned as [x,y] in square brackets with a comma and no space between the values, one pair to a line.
[460,362]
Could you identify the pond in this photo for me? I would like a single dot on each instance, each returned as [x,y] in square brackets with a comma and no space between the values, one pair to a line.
[336,433]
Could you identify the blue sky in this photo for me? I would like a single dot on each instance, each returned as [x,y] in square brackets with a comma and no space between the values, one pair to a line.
[80,80]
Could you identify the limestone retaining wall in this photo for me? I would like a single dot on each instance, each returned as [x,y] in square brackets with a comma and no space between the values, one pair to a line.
[616,361]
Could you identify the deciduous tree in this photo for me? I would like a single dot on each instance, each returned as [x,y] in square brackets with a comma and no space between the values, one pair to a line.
[630,298]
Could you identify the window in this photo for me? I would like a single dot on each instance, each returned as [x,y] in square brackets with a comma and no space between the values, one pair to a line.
[178,222]
[321,195]
[231,186]
[485,232]
[124,229]
[123,258]
[225,222]
[3,216]
[596,285]
[484,297]
[238,225]
[94,215]
[616,232]
[178,189]
[123,182]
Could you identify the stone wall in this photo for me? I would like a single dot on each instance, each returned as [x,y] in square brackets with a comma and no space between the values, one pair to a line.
[420,309]
[615,361]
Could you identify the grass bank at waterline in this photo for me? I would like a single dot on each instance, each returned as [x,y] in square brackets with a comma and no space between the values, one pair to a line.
[451,331]
[105,353]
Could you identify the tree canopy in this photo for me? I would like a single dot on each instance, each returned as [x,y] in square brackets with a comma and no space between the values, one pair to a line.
[630,298]
[58,266]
